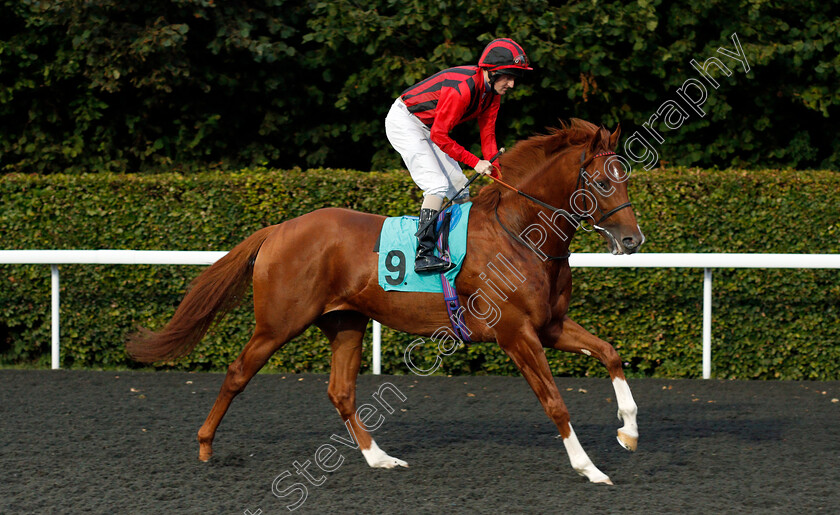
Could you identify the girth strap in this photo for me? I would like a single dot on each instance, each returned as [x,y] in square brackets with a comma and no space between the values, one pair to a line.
[453,308]
[450,294]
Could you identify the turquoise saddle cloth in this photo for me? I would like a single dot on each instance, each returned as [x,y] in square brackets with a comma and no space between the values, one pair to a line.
[397,248]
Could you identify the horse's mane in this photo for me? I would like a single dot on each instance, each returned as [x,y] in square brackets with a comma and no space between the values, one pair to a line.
[529,156]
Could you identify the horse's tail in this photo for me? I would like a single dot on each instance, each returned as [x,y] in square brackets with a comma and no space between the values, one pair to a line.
[217,290]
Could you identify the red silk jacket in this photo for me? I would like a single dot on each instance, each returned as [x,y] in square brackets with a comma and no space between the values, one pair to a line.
[449,98]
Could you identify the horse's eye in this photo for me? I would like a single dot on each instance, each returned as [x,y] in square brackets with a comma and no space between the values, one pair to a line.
[602,184]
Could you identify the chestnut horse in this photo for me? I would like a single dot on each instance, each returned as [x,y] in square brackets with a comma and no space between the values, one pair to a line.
[319,269]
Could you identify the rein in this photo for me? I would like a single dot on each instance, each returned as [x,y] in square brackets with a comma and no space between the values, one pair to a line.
[573,216]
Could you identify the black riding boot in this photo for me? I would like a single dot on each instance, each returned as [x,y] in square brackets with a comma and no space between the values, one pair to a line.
[426,262]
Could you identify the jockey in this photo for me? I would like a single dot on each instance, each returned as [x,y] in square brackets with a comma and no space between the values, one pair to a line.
[421,118]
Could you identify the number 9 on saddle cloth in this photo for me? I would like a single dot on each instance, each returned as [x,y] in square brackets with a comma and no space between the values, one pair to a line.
[397,244]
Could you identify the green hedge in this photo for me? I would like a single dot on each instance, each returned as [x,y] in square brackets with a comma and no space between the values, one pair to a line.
[767,323]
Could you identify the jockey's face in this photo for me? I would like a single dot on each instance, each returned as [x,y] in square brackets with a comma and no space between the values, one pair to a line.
[503,84]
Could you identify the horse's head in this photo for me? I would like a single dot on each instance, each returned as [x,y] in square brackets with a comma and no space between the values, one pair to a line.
[575,172]
[601,194]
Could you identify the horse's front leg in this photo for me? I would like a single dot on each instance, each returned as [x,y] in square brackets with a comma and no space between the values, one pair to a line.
[524,348]
[570,337]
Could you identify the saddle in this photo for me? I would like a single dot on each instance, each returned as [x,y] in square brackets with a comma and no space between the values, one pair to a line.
[396,246]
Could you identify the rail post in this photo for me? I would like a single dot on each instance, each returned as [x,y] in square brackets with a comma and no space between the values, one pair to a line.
[707,323]
[377,348]
[54,318]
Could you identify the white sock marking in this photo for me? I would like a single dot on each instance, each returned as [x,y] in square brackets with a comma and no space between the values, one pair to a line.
[626,407]
[580,460]
[377,458]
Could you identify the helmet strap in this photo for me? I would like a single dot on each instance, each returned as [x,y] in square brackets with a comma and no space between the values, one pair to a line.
[494,76]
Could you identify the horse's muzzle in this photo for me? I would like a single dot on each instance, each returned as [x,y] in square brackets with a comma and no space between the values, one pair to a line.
[623,243]
[630,244]
[633,242]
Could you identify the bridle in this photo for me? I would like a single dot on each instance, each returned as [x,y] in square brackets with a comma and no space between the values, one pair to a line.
[578,219]
[604,216]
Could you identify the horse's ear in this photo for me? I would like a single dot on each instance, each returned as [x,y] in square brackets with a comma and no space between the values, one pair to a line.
[614,137]
[596,141]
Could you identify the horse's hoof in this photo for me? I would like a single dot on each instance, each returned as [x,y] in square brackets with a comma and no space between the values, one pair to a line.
[598,477]
[379,459]
[204,454]
[594,475]
[389,462]
[627,441]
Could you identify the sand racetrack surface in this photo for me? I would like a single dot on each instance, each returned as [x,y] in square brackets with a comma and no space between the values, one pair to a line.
[125,442]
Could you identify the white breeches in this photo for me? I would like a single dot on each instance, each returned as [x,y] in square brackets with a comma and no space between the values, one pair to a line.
[430,167]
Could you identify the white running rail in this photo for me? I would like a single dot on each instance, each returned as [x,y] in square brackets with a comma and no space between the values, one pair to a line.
[158,257]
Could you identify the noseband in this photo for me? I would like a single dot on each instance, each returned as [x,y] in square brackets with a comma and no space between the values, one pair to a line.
[573,216]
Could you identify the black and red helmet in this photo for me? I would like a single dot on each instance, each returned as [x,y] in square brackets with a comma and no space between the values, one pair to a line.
[504,56]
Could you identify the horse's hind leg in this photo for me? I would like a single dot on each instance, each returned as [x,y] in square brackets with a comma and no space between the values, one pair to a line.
[345,330]
[271,333]
[571,337]
[252,358]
